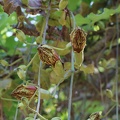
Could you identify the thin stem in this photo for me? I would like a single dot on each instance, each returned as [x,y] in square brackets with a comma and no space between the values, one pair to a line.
[16,113]
[31,44]
[74,22]
[71,84]
[2,98]
[117,57]
[46,24]
[38,104]
[55,89]
[108,111]
[40,116]
[72,75]
[32,60]
[15,62]
[43,42]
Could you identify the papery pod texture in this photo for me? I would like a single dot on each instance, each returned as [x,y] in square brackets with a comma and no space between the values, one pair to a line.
[78,39]
[26,91]
[48,55]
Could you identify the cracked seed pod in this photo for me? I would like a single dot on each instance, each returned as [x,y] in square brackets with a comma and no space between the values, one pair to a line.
[26,91]
[48,54]
[78,39]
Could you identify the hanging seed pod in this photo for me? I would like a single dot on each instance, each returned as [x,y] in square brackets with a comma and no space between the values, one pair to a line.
[95,116]
[78,39]
[26,91]
[48,54]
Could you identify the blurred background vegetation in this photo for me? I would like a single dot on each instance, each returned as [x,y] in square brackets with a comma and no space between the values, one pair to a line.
[101,66]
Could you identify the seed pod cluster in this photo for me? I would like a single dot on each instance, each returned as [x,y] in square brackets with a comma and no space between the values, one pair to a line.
[78,39]
[26,91]
[48,54]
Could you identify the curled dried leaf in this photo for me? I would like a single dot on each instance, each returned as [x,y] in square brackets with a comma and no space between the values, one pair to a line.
[78,39]
[48,54]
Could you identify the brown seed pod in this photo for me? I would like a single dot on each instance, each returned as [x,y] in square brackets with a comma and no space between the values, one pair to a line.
[95,116]
[78,39]
[26,91]
[48,54]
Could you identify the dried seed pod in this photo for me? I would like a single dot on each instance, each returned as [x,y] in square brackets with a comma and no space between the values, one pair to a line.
[78,39]
[48,54]
[26,91]
[95,116]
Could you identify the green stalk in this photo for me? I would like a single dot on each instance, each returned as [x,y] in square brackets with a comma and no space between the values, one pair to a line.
[8,99]
[43,32]
[15,61]
[40,116]
[72,75]
[32,60]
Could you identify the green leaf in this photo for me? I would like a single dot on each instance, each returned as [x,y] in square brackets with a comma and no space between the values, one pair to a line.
[10,45]
[39,25]
[56,118]
[78,59]
[4,62]
[89,69]
[54,18]
[80,20]
[25,2]
[20,35]
[45,80]
[73,4]
[3,19]
[44,94]
[58,69]
[63,47]
[109,93]
[29,118]
[62,20]
[5,83]
[92,18]
[23,67]
[55,79]
[63,4]
[67,66]
[1,8]
[107,64]
[21,73]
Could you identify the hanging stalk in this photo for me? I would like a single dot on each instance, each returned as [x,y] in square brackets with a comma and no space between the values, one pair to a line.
[117,58]
[72,75]
[43,33]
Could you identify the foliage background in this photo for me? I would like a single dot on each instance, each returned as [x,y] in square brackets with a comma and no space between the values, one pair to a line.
[98,19]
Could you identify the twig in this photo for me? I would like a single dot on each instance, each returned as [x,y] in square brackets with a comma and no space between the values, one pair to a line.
[15,62]
[16,113]
[8,99]
[32,60]
[43,42]
[40,116]
[71,84]
[72,75]
[38,104]
[117,67]
[108,111]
